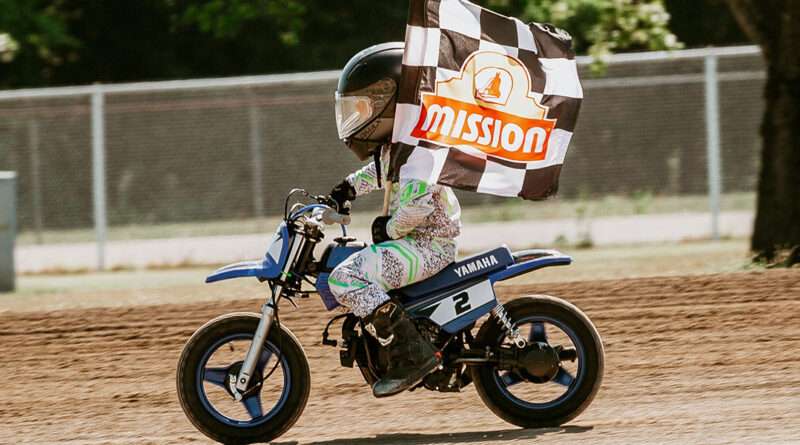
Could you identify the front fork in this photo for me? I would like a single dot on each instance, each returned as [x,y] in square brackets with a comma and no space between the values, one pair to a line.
[260,336]
[268,312]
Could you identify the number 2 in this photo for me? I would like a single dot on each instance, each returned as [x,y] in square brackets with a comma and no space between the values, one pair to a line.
[461,303]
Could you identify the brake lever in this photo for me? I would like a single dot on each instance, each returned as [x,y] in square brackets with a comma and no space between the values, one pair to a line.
[324,199]
[330,202]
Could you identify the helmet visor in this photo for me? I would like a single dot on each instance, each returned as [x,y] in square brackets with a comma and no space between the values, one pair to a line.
[351,113]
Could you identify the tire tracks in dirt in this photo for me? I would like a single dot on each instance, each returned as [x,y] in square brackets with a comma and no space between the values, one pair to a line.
[707,358]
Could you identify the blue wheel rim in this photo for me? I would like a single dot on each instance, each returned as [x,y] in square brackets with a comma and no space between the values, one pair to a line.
[265,417]
[570,382]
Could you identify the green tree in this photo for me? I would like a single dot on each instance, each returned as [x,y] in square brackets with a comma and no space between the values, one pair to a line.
[290,35]
[599,27]
[33,41]
[226,18]
[704,23]
[8,47]
[775,26]
[178,39]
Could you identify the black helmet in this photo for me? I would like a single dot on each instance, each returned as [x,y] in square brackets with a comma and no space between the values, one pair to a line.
[366,98]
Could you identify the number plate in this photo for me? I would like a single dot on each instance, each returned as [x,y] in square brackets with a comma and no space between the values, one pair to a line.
[458,303]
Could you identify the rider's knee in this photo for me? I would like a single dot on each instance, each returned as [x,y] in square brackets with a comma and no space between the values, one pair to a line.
[337,283]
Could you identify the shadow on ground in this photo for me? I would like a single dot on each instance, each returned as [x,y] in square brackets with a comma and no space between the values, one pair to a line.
[466,437]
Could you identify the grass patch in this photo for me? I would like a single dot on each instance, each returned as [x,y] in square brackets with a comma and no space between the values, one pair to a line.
[640,203]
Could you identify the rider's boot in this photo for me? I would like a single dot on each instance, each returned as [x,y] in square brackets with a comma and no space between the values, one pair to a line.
[411,357]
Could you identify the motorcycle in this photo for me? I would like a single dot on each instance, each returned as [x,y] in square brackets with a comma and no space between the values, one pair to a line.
[535,361]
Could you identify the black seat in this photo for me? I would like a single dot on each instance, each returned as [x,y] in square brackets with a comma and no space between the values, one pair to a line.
[459,272]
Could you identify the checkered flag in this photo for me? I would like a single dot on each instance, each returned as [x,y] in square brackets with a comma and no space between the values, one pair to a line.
[486,103]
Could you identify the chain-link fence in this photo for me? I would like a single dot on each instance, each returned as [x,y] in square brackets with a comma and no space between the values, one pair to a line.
[223,149]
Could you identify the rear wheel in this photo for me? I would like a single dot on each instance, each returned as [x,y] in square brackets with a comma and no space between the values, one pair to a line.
[563,370]
[279,386]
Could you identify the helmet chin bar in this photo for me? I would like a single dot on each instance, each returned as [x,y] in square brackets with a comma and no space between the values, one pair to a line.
[367,141]
[362,149]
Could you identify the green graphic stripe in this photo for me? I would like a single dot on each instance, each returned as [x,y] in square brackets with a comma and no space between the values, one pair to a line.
[447,200]
[397,228]
[386,287]
[411,241]
[410,260]
[367,178]
[444,240]
[412,191]
[413,262]
[340,284]
[416,258]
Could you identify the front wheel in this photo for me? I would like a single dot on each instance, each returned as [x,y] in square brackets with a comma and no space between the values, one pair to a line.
[279,386]
[562,370]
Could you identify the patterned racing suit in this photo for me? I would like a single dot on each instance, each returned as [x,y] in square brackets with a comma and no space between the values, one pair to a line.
[424,222]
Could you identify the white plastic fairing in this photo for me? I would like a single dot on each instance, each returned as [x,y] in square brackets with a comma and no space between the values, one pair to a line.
[275,247]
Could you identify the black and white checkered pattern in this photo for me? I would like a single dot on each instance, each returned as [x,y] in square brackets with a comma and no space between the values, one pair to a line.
[440,36]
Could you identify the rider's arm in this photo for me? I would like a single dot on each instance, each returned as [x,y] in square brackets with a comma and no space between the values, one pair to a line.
[364,180]
[416,203]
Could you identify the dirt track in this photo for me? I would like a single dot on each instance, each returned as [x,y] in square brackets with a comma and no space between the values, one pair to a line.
[695,359]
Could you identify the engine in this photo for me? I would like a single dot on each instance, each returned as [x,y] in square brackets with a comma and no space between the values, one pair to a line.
[449,378]
[362,349]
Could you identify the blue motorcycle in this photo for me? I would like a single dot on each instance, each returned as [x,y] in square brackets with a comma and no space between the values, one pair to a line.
[535,361]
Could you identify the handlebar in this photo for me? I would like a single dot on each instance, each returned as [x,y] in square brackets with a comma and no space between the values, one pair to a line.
[330,217]
[324,210]
[326,214]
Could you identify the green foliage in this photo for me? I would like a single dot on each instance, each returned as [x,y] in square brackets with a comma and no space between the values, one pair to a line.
[225,18]
[599,27]
[642,201]
[62,42]
[33,37]
[782,256]
[8,47]
[704,23]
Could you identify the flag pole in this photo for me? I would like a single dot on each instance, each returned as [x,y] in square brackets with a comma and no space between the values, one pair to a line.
[386,197]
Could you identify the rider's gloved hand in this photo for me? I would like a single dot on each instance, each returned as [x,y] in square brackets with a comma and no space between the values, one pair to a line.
[379,234]
[341,193]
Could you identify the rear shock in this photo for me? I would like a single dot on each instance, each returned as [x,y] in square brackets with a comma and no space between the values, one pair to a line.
[511,332]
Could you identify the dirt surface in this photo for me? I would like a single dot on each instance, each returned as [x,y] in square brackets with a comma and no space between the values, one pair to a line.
[689,359]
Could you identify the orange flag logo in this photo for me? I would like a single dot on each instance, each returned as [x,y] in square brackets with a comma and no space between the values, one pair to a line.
[488,106]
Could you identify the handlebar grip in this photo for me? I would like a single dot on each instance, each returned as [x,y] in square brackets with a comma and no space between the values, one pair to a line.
[330,217]
[330,202]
